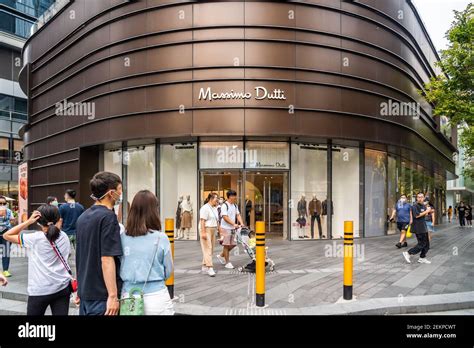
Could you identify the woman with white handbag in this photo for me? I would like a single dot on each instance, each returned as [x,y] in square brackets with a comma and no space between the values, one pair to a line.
[146,262]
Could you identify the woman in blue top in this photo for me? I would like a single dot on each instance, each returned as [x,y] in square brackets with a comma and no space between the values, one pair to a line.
[140,263]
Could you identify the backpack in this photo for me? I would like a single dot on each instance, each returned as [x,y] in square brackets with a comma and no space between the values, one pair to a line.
[221,217]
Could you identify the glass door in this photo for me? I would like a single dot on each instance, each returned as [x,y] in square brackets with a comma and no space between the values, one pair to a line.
[221,182]
[266,197]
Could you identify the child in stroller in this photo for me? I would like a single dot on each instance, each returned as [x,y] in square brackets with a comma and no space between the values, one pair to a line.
[246,237]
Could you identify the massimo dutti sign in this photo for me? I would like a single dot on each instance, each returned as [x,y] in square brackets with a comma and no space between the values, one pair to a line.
[260,93]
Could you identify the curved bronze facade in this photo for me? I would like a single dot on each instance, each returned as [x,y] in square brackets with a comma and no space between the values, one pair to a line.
[143,64]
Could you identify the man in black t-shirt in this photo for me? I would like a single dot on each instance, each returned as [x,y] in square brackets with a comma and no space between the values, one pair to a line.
[419,212]
[99,249]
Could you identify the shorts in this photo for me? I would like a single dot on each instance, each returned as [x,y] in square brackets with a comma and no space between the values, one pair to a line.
[229,237]
[429,226]
[402,226]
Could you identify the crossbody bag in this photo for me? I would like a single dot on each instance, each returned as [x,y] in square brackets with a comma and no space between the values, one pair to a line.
[135,305]
[66,266]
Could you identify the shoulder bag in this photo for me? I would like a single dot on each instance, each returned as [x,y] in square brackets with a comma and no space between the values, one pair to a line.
[66,266]
[134,304]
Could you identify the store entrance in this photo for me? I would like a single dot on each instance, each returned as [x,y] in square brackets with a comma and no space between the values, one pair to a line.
[262,196]
[266,200]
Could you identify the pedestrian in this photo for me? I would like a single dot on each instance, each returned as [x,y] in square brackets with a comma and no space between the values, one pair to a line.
[208,218]
[99,248]
[430,219]
[231,221]
[49,280]
[6,221]
[419,212]
[51,200]
[461,214]
[70,212]
[404,218]
[450,213]
[147,260]
[469,215]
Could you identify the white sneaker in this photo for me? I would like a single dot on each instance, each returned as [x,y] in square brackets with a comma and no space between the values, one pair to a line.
[204,269]
[221,259]
[211,272]
[406,255]
[229,265]
[423,260]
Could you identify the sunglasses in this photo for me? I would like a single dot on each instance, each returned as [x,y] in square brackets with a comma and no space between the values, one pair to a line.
[3,203]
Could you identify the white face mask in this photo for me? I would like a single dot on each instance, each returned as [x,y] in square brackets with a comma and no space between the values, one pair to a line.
[119,200]
[403,200]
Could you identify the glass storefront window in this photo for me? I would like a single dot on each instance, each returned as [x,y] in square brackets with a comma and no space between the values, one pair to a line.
[345,189]
[218,155]
[139,163]
[178,188]
[375,193]
[392,197]
[308,191]
[112,162]
[267,155]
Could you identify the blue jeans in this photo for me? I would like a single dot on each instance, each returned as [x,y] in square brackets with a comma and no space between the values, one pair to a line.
[5,253]
[92,307]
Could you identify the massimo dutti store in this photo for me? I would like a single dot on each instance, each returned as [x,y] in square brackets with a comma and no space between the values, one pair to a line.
[279,101]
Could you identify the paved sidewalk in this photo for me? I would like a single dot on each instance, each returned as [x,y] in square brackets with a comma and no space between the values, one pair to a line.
[308,275]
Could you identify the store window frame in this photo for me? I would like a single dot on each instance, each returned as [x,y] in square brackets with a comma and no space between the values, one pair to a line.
[244,170]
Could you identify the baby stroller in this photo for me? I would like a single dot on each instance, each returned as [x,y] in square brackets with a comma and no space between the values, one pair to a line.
[243,237]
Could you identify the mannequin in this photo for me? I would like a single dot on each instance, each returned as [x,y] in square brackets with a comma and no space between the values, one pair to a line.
[178,217]
[325,207]
[186,216]
[315,210]
[325,211]
[302,214]
[248,209]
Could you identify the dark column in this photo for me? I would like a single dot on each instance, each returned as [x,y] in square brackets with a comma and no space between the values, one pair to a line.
[329,190]
[88,166]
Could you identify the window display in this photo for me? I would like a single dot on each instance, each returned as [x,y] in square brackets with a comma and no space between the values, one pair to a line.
[178,187]
[392,192]
[375,193]
[345,190]
[308,191]
[112,162]
[139,164]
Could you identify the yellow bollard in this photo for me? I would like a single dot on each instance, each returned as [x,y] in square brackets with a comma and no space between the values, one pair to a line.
[348,258]
[260,263]
[169,230]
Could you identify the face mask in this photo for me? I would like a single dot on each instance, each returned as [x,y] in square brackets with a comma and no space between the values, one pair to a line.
[403,200]
[55,203]
[119,200]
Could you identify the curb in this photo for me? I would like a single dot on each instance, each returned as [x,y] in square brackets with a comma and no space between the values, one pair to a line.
[378,306]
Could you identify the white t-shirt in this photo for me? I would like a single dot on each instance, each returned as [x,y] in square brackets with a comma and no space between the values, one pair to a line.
[46,273]
[231,211]
[209,214]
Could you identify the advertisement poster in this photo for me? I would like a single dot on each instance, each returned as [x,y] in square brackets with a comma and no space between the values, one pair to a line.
[23,194]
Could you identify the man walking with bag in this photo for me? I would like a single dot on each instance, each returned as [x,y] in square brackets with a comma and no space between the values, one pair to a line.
[419,212]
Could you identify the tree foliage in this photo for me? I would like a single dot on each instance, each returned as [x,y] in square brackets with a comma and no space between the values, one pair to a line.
[452,93]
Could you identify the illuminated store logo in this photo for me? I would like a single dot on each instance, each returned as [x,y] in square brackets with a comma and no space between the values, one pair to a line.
[260,94]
